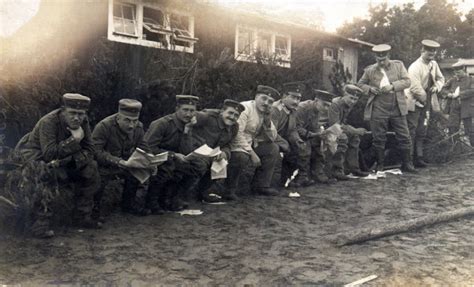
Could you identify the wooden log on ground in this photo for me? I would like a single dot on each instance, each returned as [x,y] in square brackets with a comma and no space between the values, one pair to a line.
[359,236]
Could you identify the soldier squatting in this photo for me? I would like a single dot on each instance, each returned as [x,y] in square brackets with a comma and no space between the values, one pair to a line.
[254,133]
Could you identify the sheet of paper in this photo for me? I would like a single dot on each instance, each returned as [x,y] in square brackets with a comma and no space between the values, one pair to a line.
[141,174]
[219,169]
[456,92]
[190,212]
[159,158]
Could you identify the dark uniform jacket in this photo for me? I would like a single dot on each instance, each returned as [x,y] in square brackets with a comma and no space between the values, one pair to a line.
[211,130]
[165,134]
[466,94]
[285,122]
[51,140]
[307,118]
[397,75]
[111,144]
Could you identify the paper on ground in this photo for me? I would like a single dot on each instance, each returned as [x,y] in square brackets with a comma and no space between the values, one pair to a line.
[294,194]
[393,171]
[190,212]
[219,169]
[361,281]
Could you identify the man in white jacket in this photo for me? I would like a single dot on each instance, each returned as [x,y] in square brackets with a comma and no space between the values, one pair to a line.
[422,96]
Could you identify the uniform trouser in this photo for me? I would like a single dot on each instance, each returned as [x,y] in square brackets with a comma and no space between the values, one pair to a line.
[315,162]
[379,128]
[175,178]
[417,128]
[347,153]
[86,181]
[297,158]
[268,152]
[468,127]
[134,193]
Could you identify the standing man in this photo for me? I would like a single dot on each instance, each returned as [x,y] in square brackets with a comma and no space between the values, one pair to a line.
[460,93]
[290,142]
[256,141]
[177,175]
[384,82]
[311,119]
[115,138]
[62,139]
[426,82]
[347,153]
[216,128]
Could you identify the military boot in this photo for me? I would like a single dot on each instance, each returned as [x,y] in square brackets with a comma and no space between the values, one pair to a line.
[380,154]
[407,164]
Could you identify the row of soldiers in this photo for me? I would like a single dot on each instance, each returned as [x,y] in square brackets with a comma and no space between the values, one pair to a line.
[272,127]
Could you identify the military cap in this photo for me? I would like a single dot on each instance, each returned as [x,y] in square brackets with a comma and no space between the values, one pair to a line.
[293,87]
[76,101]
[382,48]
[129,107]
[269,91]
[430,44]
[234,104]
[187,100]
[324,95]
[352,90]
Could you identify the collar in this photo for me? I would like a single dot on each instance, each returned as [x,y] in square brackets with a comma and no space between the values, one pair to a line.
[281,107]
[179,124]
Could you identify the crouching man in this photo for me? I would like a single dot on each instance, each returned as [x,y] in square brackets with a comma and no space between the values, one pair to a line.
[295,149]
[347,153]
[255,143]
[62,139]
[216,128]
[311,118]
[175,179]
[115,138]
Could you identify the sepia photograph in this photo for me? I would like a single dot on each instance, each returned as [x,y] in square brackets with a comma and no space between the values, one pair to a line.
[236,143]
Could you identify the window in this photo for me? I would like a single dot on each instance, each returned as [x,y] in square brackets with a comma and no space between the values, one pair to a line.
[329,54]
[143,23]
[253,44]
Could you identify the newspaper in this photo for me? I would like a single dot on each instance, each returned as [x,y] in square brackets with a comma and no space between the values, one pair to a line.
[143,163]
[219,169]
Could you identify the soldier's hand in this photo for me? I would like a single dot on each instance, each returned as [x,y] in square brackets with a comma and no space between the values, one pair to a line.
[255,159]
[387,88]
[360,131]
[374,91]
[221,156]
[77,134]
[189,126]
[434,90]
[180,157]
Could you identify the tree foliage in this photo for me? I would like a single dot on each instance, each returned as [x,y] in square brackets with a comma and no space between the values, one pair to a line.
[403,27]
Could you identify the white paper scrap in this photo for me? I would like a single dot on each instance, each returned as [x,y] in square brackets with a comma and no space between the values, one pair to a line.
[361,281]
[393,171]
[294,194]
[190,212]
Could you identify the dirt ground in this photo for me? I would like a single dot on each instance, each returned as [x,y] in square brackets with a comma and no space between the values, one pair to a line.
[262,241]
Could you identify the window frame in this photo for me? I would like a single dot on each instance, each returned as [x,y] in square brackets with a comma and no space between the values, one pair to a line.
[171,39]
[326,57]
[282,60]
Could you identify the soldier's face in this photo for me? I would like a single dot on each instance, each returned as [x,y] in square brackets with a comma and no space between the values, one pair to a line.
[185,112]
[382,58]
[291,101]
[349,100]
[428,54]
[264,103]
[127,124]
[74,117]
[230,116]
[322,106]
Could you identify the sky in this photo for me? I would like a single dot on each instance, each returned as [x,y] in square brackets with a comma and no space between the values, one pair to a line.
[15,13]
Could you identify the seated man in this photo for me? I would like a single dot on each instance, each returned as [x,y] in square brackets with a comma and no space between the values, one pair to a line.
[255,141]
[62,139]
[311,117]
[115,138]
[347,152]
[216,128]
[176,176]
[290,142]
